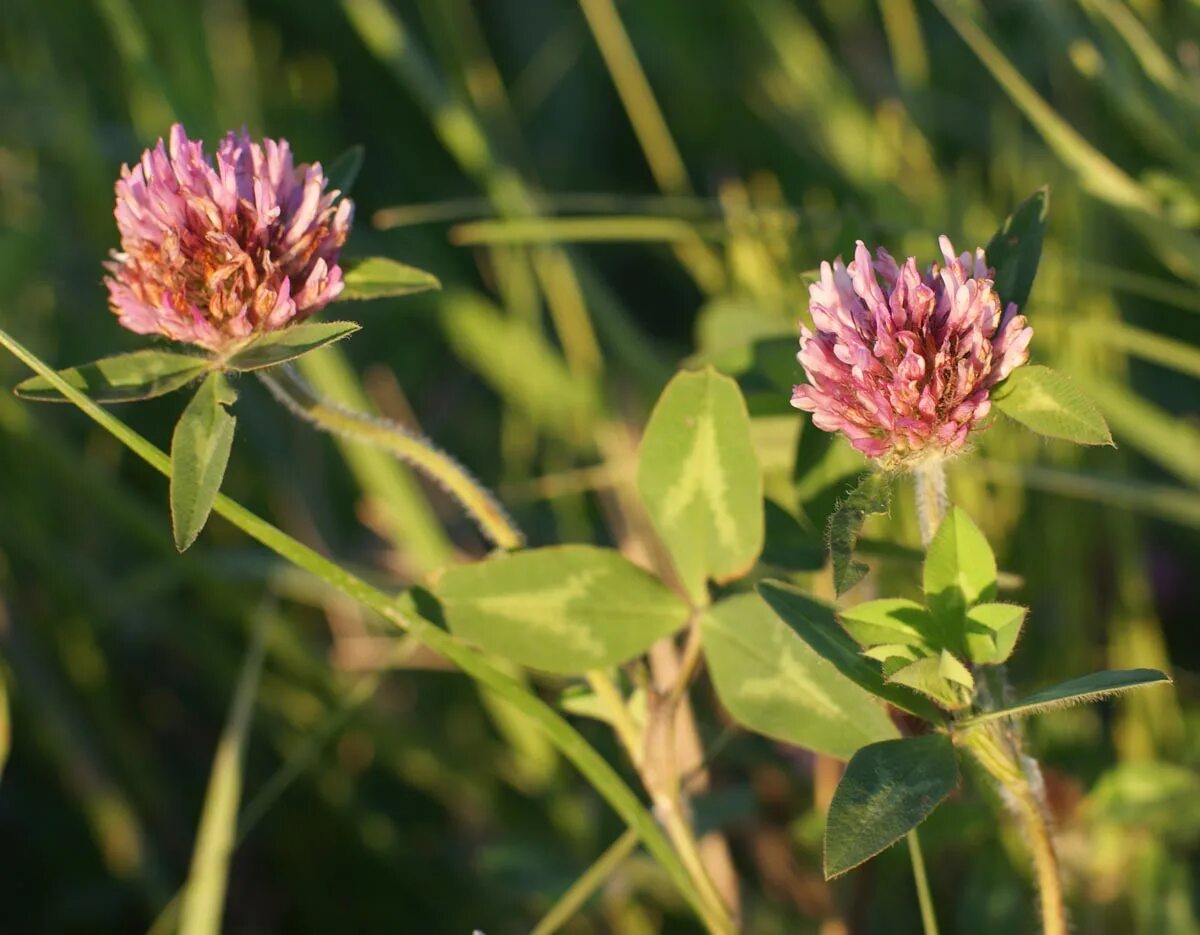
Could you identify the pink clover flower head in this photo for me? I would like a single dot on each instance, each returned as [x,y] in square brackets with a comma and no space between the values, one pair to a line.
[214,252]
[903,364]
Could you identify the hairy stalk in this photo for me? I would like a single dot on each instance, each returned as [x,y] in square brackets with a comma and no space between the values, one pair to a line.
[998,751]
[287,386]
[929,484]
[1020,782]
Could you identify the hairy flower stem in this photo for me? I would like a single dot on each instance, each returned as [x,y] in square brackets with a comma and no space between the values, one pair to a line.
[287,386]
[998,752]
[929,483]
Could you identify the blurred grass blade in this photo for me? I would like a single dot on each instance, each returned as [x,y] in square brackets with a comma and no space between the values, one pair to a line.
[1099,175]
[582,889]
[616,229]
[277,347]
[204,898]
[1163,438]
[200,449]
[1082,690]
[343,171]
[378,277]
[5,722]
[1137,342]
[122,378]
[603,778]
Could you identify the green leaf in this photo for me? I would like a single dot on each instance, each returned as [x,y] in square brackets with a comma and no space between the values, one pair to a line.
[700,480]
[123,378]
[940,677]
[773,682]
[992,631]
[378,277]
[275,347]
[889,620]
[343,171]
[960,571]
[872,494]
[199,453]
[814,623]
[1076,691]
[888,789]
[1016,247]
[565,609]
[1049,403]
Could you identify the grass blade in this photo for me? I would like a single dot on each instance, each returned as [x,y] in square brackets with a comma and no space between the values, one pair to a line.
[204,898]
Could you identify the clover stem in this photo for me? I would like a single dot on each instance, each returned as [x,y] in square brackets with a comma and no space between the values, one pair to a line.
[1020,781]
[929,483]
[290,389]
[924,897]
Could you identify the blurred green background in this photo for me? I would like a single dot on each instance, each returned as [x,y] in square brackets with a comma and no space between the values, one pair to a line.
[605,192]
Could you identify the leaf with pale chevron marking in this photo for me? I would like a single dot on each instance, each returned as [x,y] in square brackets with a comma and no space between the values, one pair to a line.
[700,480]
[565,609]
[774,683]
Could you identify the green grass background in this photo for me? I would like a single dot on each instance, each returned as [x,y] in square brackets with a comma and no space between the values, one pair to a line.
[767,135]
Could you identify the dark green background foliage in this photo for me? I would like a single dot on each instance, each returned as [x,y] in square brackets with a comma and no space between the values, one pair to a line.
[802,126]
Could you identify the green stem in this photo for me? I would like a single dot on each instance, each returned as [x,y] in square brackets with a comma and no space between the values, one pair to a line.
[569,741]
[1020,786]
[581,890]
[287,386]
[928,917]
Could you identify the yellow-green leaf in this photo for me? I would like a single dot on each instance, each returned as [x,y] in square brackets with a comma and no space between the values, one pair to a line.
[774,683]
[700,480]
[1049,403]
[565,609]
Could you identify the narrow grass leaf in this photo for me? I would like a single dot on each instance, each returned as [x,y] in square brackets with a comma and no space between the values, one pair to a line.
[872,494]
[700,480]
[276,347]
[490,341]
[1076,691]
[204,896]
[5,724]
[1050,403]
[814,623]
[564,609]
[122,378]
[1016,248]
[772,682]
[888,789]
[200,450]
[380,278]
